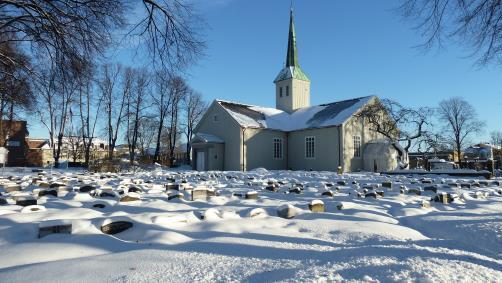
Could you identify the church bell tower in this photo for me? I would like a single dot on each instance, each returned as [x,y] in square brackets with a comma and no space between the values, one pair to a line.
[292,86]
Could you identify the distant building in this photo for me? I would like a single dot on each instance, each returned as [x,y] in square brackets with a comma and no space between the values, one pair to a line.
[13,137]
[420,159]
[39,152]
[293,135]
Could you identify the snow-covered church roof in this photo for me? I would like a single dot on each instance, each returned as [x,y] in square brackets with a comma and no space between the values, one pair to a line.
[319,116]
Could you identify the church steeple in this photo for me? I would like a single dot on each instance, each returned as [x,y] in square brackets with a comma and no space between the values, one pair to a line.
[292,55]
[292,85]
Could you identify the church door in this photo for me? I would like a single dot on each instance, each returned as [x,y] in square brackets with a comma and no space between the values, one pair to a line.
[200,161]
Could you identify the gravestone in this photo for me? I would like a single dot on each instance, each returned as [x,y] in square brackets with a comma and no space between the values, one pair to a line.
[55,185]
[44,185]
[86,188]
[129,198]
[271,188]
[433,189]
[316,206]
[56,228]
[258,212]
[199,194]
[287,211]
[425,204]
[26,201]
[107,194]
[134,189]
[415,191]
[372,195]
[478,195]
[174,196]
[342,183]
[42,193]
[328,193]
[99,205]
[445,198]
[252,195]
[12,188]
[387,184]
[116,227]
[295,190]
[171,186]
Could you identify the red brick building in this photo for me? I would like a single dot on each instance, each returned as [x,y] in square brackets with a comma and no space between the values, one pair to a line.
[13,137]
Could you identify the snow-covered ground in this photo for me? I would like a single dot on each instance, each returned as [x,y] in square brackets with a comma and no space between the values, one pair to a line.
[231,236]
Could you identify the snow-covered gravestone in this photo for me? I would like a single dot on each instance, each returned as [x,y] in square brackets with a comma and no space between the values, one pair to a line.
[416,191]
[316,206]
[48,192]
[387,184]
[26,201]
[287,211]
[252,195]
[172,196]
[12,188]
[172,186]
[327,193]
[200,193]
[130,198]
[116,227]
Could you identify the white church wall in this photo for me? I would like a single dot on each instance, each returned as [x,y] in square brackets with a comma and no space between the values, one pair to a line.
[259,148]
[326,150]
[356,127]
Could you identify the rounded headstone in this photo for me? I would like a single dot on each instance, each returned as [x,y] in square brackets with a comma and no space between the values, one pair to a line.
[116,227]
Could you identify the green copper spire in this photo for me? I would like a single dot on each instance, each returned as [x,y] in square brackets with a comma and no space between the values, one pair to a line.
[292,69]
[292,56]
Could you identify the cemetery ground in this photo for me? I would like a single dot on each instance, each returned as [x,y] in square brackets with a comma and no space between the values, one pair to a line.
[185,226]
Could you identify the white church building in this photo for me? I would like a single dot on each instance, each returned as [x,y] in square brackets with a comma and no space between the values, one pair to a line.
[292,136]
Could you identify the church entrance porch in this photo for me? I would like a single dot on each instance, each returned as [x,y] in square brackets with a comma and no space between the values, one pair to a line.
[207,152]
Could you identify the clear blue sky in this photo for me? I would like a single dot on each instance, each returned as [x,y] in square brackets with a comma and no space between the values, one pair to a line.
[347,48]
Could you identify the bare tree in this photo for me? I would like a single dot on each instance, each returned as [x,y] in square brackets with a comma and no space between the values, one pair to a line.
[115,98]
[89,107]
[136,105]
[67,32]
[398,123]
[460,122]
[476,24]
[171,30]
[73,143]
[74,31]
[147,134]
[194,108]
[15,88]
[178,89]
[496,138]
[57,91]
[162,100]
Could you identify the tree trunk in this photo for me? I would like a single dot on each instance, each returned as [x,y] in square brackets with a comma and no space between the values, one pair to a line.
[159,134]
[58,151]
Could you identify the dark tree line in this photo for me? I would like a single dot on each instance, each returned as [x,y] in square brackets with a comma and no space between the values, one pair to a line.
[57,44]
